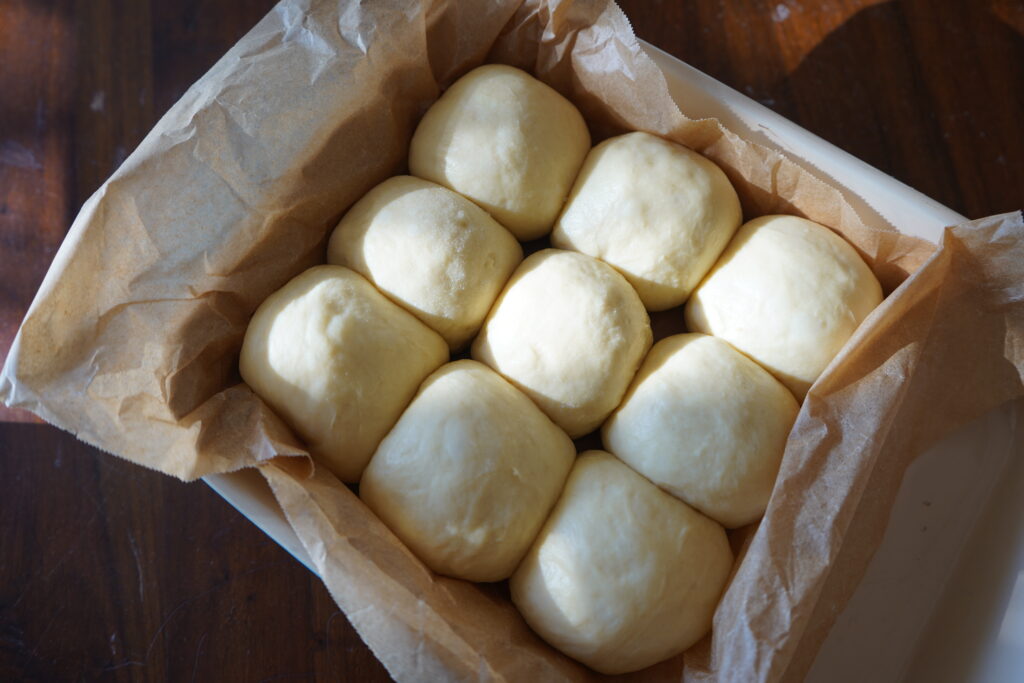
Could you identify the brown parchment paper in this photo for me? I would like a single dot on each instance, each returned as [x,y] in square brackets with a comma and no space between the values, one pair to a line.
[132,340]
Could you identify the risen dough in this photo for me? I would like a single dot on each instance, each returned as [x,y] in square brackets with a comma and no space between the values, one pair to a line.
[656,211]
[432,251]
[469,473]
[338,362]
[622,575]
[508,142]
[570,332]
[705,423]
[788,293]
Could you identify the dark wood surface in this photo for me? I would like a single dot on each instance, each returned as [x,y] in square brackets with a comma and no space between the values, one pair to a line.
[109,571]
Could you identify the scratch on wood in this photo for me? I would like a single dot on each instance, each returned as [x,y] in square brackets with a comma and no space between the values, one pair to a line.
[138,565]
[42,636]
[15,154]
[199,651]
[178,608]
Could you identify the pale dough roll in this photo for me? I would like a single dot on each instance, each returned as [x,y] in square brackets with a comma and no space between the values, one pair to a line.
[432,251]
[707,424]
[622,575]
[338,361]
[787,292]
[569,332]
[469,473]
[656,211]
[508,142]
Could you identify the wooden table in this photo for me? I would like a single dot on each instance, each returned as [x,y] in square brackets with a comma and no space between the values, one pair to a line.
[109,571]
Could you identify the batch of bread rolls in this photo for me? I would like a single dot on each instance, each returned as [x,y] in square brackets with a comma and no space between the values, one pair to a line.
[616,557]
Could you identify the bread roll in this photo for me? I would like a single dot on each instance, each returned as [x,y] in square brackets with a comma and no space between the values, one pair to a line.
[707,424]
[787,292]
[569,332]
[430,250]
[657,212]
[508,142]
[338,361]
[468,474]
[622,575]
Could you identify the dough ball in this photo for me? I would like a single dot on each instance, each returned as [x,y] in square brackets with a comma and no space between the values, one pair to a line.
[338,361]
[569,332]
[469,473]
[656,211]
[508,142]
[707,424]
[622,575]
[788,293]
[432,251]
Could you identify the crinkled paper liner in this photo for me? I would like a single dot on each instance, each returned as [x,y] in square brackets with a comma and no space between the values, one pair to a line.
[132,340]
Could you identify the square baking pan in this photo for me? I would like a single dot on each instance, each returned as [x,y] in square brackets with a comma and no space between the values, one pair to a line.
[944,595]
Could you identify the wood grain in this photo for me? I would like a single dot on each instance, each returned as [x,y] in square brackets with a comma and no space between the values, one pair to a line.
[108,571]
[112,572]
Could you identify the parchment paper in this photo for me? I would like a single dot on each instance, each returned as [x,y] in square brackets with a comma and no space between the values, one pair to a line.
[132,340]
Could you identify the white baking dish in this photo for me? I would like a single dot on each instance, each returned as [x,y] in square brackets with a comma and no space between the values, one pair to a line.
[907,618]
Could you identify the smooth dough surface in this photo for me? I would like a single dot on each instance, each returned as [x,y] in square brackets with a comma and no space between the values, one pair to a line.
[338,361]
[622,575]
[787,292]
[707,424]
[469,473]
[656,211]
[430,250]
[570,332]
[507,141]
